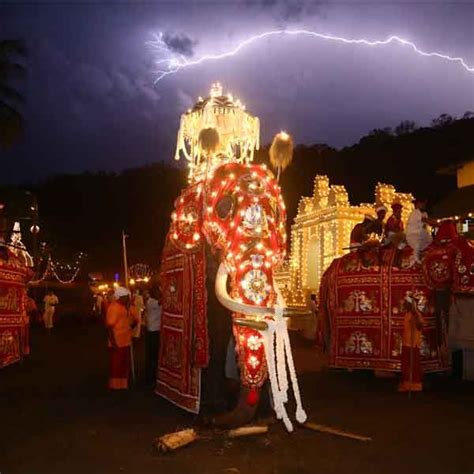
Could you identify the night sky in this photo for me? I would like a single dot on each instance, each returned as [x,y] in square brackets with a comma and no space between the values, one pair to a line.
[92,103]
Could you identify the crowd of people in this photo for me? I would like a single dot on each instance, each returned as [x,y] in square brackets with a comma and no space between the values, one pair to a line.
[128,314]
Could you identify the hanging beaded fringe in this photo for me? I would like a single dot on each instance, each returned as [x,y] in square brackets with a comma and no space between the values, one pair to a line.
[279,358]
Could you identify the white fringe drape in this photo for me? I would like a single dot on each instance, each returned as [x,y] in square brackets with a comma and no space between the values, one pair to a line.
[279,360]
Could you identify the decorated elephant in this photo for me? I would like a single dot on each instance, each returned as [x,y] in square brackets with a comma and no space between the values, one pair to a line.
[448,268]
[14,324]
[362,299]
[227,236]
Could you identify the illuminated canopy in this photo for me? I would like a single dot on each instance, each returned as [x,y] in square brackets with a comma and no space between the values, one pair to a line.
[239,133]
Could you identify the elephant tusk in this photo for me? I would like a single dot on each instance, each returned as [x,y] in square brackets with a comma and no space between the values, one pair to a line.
[232,305]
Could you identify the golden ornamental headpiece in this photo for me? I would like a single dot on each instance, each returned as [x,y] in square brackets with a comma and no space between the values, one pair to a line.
[237,137]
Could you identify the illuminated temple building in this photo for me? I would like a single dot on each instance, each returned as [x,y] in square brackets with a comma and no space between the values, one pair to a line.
[321,233]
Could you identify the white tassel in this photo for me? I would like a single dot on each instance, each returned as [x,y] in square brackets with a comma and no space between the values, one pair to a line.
[278,404]
[300,413]
[279,358]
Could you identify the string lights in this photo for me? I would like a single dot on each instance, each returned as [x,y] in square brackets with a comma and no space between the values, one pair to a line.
[62,272]
[140,273]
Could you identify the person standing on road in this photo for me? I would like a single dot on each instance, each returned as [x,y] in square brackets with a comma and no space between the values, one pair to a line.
[97,310]
[152,335]
[106,302]
[121,318]
[50,302]
[32,310]
[139,306]
[412,373]
[314,308]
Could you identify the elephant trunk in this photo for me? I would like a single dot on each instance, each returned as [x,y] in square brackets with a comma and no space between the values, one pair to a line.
[232,305]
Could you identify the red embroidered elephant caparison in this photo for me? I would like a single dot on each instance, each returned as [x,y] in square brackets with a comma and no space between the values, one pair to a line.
[362,306]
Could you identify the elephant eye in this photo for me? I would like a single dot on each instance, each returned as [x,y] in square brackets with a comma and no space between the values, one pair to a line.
[225,206]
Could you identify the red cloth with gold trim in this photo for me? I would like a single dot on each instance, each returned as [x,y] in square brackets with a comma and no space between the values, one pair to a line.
[437,265]
[463,270]
[449,261]
[245,219]
[362,296]
[13,319]
[184,347]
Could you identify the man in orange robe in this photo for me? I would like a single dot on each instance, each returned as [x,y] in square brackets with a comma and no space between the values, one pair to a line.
[411,380]
[121,318]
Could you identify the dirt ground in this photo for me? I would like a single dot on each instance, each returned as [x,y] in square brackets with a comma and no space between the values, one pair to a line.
[57,417]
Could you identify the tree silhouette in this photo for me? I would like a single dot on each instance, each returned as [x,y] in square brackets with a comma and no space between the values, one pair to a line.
[405,126]
[442,120]
[11,120]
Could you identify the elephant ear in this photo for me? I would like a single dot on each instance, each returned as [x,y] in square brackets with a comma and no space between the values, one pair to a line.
[184,347]
[437,267]
[186,220]
[463,267]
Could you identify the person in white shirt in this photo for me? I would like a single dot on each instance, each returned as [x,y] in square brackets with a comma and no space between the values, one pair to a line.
[152,335]
[50,302]
[417,233]
[140,306]
[99,299]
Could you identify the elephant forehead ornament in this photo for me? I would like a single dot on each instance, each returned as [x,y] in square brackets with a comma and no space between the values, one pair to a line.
[237,208]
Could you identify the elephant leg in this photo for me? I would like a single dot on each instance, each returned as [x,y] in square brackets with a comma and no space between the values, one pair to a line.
[253,373]
[242,414]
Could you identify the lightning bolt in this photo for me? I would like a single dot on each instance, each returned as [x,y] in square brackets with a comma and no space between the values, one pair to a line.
[172,63]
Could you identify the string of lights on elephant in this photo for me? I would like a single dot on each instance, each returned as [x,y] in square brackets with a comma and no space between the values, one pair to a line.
[244,218]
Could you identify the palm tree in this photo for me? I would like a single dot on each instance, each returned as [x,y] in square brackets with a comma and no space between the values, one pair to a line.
[11,120]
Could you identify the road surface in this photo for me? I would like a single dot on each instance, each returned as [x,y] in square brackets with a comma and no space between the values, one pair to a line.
[57,417]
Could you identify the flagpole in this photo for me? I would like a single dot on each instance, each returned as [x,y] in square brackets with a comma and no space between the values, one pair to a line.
[125,270]
[125,262]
